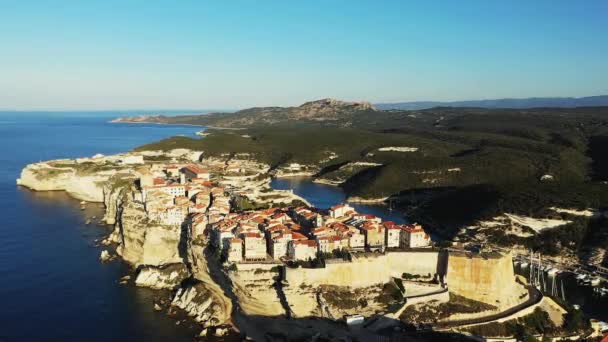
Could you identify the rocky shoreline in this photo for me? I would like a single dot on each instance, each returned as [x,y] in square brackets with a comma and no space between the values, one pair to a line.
[156,253]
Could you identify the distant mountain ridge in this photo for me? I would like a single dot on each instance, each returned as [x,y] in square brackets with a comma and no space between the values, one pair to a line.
[319,111]
[531,102]
[332,112]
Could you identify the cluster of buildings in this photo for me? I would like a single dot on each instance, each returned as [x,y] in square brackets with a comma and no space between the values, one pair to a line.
[302,233]
[174,195]
[185,194]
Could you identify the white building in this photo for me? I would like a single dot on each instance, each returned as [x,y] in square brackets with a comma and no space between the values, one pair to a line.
[393,236]
[356,240]
[235,250]
[255,246]
[328,244]
[175,215]
[302,249]
[278,246]
[174,190]
[340,210]
[414,236]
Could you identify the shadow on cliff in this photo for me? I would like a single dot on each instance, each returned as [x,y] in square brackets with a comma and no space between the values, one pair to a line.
[379,328]
[183,246]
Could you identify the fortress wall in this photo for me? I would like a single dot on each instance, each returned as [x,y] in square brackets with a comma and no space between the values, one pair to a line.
[489,280]
[366,271]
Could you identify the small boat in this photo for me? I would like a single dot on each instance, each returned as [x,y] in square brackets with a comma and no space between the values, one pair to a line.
[88,222]
[525,264]
[553,271]
[581,276]
[595,281]
[83,202]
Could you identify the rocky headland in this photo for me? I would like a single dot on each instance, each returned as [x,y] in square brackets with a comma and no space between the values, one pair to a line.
[261,299]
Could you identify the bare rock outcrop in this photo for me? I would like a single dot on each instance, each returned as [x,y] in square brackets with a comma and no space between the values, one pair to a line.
[45,177]
[168,276]
[202,304]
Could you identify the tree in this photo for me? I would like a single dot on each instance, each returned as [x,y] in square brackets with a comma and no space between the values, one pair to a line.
[575,321]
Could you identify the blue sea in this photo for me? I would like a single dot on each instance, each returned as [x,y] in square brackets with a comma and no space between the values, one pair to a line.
[52,287]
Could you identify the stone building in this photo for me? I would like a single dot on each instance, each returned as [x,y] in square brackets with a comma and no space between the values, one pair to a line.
[302,249]
[255,246]
[414,236]
[235,250]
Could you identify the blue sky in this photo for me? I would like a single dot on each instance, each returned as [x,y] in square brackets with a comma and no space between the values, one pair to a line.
[237,54]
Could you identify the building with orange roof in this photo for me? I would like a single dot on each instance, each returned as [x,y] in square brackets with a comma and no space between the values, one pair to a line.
[393,235]
[196,172]
[374,235]
[414,236]
[340,210]
[328,244]
[199,224]
[298,236]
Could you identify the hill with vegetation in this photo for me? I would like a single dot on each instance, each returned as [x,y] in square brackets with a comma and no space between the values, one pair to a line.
[326,111]
[448,167]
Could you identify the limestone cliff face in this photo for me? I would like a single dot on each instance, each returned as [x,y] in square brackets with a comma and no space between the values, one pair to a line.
[44,177]
[202,304]
[490,280]
[112,200]
[146,243]
[162,277]
[254,285]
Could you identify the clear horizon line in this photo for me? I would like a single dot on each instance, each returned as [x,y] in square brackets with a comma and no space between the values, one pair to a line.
[229,110]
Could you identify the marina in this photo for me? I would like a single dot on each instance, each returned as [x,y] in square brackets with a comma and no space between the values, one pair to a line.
[577,285]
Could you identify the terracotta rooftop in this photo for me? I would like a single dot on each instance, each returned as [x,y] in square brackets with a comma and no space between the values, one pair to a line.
[309,243]
[337,206]
[196,169]
[253,235]
[298,236]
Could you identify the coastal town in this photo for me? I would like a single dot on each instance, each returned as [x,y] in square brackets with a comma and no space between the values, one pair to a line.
[190,194]
[260,252]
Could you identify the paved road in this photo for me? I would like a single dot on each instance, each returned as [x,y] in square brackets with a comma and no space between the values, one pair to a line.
[535,296]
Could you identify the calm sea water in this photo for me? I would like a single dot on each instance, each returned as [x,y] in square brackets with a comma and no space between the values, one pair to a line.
[52,287]
[324,196]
